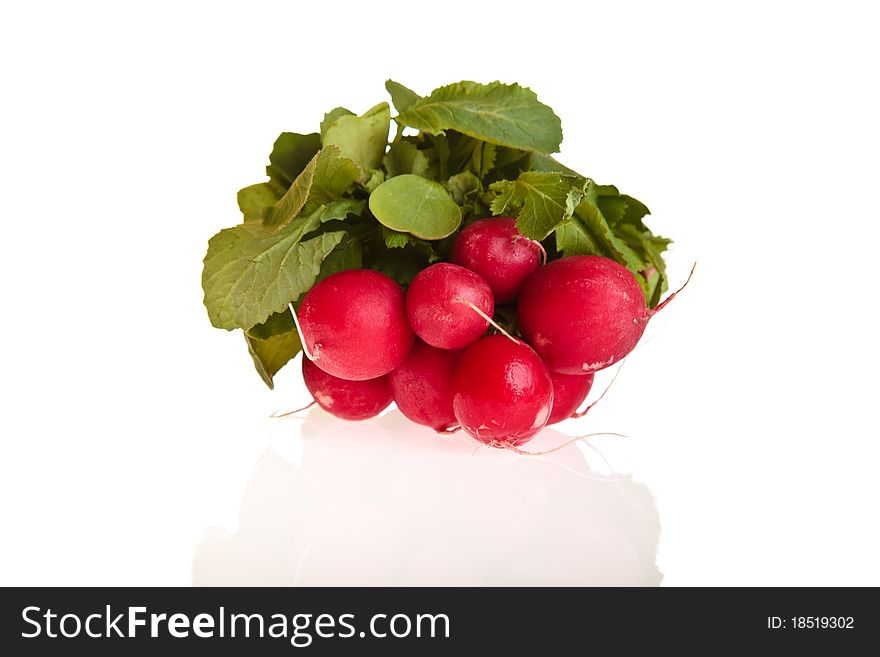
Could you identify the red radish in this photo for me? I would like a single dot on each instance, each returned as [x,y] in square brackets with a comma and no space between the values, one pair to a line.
[494,249]
[349,400]
[353,325]
[501,392]
[421,386]
[582,313]
[444,303]
[569,392]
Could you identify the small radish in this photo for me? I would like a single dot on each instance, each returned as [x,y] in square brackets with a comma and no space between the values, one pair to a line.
[582,313]
[502,393]
[421,386]
[569,392]
[353,325]
[349,400]
[494,249]
[449,306]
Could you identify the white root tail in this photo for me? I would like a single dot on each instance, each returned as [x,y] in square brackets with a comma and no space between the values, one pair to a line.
[278,415]
[488,319]
[577,414]
[523,452]
[302,338]
[662,305]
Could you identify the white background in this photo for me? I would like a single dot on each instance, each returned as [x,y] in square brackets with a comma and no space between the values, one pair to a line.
[133,432]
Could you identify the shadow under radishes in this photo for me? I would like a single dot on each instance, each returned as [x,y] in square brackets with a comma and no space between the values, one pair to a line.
[387,502]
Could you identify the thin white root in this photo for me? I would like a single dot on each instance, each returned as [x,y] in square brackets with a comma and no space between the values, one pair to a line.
[517,450]
[672,296]
[577,414]
[302,338]
[488,319]
[543,252]
[540,246]
[278,415]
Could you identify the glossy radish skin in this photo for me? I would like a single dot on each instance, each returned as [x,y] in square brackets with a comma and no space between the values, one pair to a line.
[569,392]
[437,309]
[501,392]
[421,386]
[354,324]
[349,400]
[494,249]
[582,313]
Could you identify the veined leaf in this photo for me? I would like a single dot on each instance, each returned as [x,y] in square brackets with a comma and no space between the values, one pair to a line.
[507,115]
[323,181]
[331,116]
[405,157]
[290,155]
[289,205]
[394,239]
[334,175]
[254,199]
[361,138]
[462,185]
[250,272]
[273,344]
[588,233]
[346,255]
[544,201]
[547,163]
[401,97]
[339,210]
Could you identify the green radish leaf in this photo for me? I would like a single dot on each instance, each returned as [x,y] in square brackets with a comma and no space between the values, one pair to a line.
[334,176]
[462,186]
[588,233]
[543,201]
[331,116]
[273,344]
[288,206]
[405,157]
[251,272]
[509,164]
[394,239]
[401,97]
[483,159]
[507,115]
[254,199]
[323,181]
[461,151]
[347,255]
[361,138]
[549,164]
[400,264]
[415,205]
[290,155]
[339,210]
[376,178]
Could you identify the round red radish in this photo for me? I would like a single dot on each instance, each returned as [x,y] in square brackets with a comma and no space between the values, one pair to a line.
[501,392]
[439,306]
[494,249]
[421,386]
[582,313]
[349,400]
[569,392]
[354,324]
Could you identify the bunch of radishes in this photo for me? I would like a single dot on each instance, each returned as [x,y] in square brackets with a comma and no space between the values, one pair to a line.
[367,343]
[441,258]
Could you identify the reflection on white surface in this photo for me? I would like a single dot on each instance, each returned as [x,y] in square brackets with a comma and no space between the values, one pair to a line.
[385,503]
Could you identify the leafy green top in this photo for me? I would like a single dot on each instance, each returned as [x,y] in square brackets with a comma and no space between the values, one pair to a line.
[344,198]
